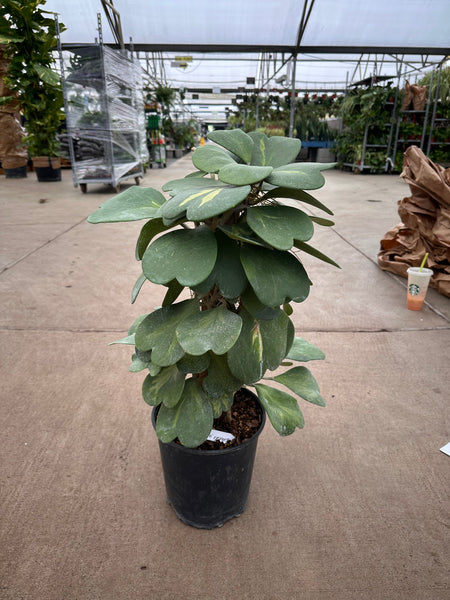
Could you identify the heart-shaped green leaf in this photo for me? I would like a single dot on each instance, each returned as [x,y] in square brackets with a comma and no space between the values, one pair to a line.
[275,151]
[174,290]
[300,381]
[133,204]
[304,176]
[276,276]
[310,250]
[210,158]
[187,255]
[191,419]
[193,364]
[157,332]
[137,364]
[242,232]
[216,329]
[243,174]
[221,404]
[234,140]
[165,387]
[281,408]
[257,309]
[302,196]
[148,232]
[304,351]
[227,273]
[245,358]
[280,225]
[201,204]
[191,184]
[274,333]
[220,380]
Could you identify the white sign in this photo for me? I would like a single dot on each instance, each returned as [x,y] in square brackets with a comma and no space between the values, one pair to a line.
[220,436]
[445,449]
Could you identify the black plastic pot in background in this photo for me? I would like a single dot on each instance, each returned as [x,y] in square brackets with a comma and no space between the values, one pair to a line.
[206,488]
[47,169]
[16,173]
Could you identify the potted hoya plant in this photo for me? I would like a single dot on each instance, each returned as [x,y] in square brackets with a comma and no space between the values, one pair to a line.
[29,36]
[226,236]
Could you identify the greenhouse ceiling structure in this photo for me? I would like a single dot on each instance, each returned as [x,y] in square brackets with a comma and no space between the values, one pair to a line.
[216,49]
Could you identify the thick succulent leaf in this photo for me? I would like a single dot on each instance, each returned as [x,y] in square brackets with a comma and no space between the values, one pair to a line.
[303,176]
[165,387]
[216,329]
[242,233]
[190,420]
[174,290]
[128,340]
[243,174]
[193,364]
[157,332]
[321,221]
[275,151]
[137,364]
[211,159]
[195,174]
[302,196]
[300,381]
[220,381]
[245,358]
[228,273]
[280,225]
[234,140]
[257,309]
[137,287]
[274,334]
[133,204]
[303,351]
[281,408]
[191,184]
[136,324]
[148,232]
[187,255]
[276,276]
[221,404]
[310,250]
[201,204]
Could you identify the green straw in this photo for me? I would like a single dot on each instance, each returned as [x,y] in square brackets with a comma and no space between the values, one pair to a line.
[423,262]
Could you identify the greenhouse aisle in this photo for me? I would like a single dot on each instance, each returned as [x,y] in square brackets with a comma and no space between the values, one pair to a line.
[353,507]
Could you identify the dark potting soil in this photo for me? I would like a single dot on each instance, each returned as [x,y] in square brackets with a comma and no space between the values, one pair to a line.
[244,424]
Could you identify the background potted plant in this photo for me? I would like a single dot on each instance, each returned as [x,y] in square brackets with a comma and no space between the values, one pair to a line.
[29,36]
[13,153]
[225,235]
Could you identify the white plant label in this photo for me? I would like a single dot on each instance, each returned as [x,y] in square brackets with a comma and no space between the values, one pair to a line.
[220,436]
[446,449]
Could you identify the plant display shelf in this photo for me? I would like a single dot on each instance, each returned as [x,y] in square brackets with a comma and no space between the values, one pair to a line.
[104,115]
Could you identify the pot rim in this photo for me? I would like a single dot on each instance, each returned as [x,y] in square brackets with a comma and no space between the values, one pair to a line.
[220,450]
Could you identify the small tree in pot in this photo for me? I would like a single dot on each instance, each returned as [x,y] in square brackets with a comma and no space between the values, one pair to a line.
[225,234]
[29,36]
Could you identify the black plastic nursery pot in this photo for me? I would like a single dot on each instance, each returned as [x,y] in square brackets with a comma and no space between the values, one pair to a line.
[16,172]
[47,169]
[207,488]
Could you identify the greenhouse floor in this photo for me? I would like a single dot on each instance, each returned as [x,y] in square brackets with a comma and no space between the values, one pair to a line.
[353,507]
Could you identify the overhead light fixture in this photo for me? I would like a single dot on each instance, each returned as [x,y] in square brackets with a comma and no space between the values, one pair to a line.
[281,79]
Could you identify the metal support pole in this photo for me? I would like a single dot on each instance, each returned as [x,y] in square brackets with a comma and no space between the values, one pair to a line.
[291,117]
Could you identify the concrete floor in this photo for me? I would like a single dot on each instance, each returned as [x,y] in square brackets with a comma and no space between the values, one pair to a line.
[353,507]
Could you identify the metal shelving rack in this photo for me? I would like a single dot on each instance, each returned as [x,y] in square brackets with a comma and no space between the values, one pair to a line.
[104,114]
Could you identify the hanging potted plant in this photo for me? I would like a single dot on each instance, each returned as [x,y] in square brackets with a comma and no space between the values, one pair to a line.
[29,36]
[225,235]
